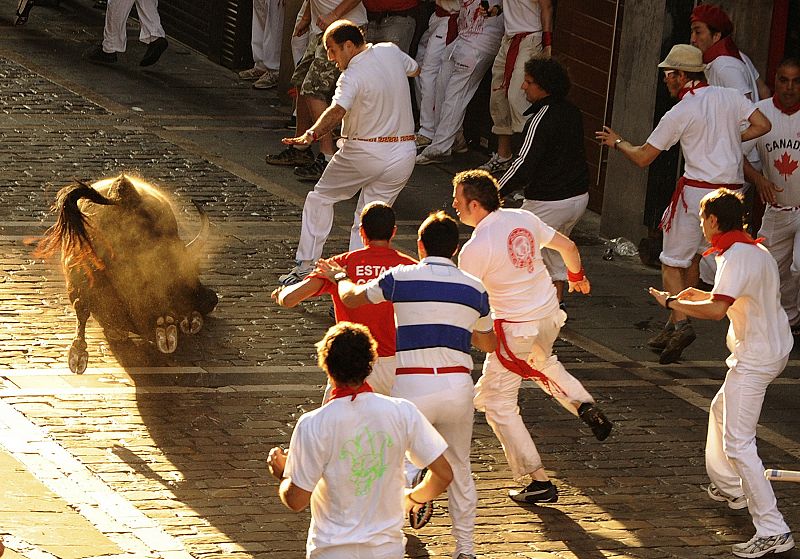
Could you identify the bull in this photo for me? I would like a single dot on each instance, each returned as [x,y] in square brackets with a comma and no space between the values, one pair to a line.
[125,264]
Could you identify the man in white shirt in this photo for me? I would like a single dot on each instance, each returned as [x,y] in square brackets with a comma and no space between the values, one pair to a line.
[505,253]
[778,183]
[746,290]
[706,121]
[115,33]
[346,458]
[377,152]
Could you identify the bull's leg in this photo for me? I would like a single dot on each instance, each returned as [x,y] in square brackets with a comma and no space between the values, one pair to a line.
[192,324]
[166,334]
[78,356]
[206,300]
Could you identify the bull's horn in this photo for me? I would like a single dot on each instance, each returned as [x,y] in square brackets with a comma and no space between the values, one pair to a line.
[198,243]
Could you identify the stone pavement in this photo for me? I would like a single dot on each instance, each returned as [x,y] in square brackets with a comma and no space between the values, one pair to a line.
[151,455]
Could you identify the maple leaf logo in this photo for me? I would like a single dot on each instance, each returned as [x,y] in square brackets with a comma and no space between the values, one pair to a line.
[785,165]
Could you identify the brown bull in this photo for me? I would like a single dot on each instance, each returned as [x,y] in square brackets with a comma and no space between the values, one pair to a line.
[125,264]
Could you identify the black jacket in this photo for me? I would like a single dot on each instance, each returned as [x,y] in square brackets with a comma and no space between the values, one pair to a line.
[552,161]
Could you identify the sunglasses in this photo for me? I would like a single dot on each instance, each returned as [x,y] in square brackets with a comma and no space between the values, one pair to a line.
[669,73]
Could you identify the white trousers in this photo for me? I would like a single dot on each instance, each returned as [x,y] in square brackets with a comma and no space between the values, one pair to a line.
[381,379]
[732,460]
[430,56]
[497,390]
[378,170]
[782,232]
[360,551]
[115,34]
[561,215]
[446,401]
[267,33]
[462,70]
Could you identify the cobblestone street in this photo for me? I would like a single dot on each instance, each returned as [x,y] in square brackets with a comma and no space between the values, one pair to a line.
[148,455]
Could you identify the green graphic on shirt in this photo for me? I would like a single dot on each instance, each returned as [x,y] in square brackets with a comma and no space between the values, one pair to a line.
[367,455]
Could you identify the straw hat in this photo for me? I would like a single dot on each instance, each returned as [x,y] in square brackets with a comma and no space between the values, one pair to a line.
[684,57]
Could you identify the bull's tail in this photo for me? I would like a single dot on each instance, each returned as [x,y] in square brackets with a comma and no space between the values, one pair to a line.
[70,233]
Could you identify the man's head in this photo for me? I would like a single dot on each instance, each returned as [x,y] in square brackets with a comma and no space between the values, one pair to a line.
[377,222]
[709,25]
[346,353]
[787,82]
[475,193]
[343,40]
[545,77]
[683,64]
[438,236]
[721,211]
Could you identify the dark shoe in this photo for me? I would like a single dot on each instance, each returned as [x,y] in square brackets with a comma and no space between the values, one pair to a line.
[97,55]
[660,340]
[23,12]
[291,157]
[596,419]
[423,515]
[100,4]
[536,492]
[154,52]
[795,329]
[679,341]
[312,172]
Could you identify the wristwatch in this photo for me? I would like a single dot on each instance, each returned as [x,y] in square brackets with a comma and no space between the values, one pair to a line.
[617,142]
[340,276]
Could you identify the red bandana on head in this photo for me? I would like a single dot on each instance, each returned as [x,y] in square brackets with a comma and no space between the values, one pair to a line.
[785,110]
[343,391]
[723,241]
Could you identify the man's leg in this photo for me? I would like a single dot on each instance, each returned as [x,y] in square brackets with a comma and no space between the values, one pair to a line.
[429,71]
[781,239]
[316,106]
[115,35]
[149,20]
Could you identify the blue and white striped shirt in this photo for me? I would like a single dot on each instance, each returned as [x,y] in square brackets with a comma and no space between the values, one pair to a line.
[436,306]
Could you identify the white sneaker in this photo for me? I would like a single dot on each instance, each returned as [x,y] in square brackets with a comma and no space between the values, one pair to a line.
[268,80]
[296,274]
[735,503]
[428,157]
[758,546]
[496,165]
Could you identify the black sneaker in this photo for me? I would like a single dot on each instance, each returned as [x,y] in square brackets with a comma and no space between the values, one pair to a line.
[97,55]
[679,341]
[660,340]
[291,157]
[596,419]
[154,52]
[312,172]
[536,492]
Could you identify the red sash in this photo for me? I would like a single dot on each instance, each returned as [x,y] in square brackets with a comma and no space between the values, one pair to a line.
[517,365]
[677,196]
[342,391]
[452,23]
[511,59]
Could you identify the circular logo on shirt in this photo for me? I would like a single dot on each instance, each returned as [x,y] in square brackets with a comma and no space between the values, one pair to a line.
[521,248]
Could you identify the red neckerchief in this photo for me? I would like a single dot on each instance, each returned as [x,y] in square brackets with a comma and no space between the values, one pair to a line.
[342,391]
[691,89]
[515,364]
[723,241]
[723,47]
[785,110]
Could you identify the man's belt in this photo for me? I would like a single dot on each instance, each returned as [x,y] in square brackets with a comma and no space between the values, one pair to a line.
[430,371]
[387,139]
[784,208]
[677,197]
[377,16]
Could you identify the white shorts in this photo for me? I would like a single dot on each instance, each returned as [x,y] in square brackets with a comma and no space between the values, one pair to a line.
[684,238]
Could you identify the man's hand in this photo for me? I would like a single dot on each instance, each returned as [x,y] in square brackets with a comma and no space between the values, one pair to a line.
[767,190]
[302,26]
[325,20]
[305,140]
[329,268]
[582,286]
[693,294]
[408,504]
[659,296]
[607,136]
[276,462]
[547,52]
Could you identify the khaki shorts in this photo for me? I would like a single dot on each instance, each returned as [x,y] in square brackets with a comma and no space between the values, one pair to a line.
[315,75]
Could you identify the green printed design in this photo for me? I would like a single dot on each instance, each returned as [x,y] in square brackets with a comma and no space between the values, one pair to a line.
[367,454]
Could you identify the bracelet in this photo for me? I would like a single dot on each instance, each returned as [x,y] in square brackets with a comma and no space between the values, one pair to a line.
[669,300]
[547,38]
[617,142]
[413,500]
[576,276]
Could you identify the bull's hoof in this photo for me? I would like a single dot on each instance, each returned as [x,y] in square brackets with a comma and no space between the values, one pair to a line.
[166,334]
[192,324]
[78,357]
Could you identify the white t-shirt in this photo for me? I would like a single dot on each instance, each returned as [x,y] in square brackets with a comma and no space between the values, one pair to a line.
[779,152]
[522,16]
[357,15]
[505,253]
[747,276]
[707,124]
[350,453]
[729,71]
[481,33]
[373,90]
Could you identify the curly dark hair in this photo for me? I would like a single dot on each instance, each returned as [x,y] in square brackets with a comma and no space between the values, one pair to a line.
[347,353]
[550,75]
